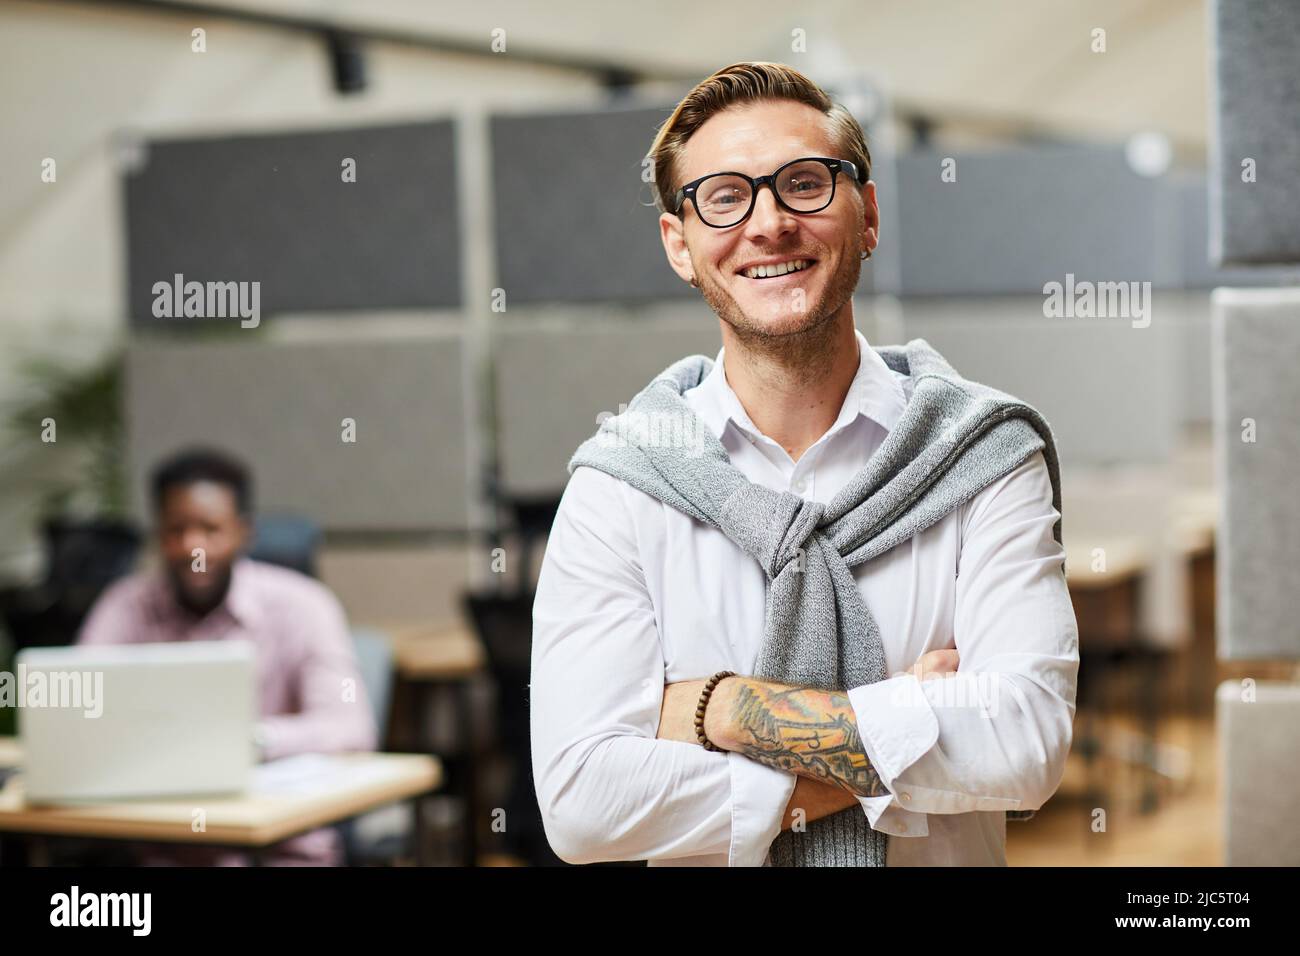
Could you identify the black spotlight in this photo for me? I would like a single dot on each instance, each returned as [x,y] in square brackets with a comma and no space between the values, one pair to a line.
[617,82]
[347,61]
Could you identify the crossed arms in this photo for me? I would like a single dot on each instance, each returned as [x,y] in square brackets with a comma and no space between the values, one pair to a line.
[804,731]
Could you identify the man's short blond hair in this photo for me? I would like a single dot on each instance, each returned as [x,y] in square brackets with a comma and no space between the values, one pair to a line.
[747,82]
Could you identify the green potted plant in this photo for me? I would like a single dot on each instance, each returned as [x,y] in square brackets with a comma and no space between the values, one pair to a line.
[66,442]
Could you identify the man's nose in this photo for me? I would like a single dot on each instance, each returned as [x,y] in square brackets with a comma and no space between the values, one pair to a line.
[194,539]
[769,217]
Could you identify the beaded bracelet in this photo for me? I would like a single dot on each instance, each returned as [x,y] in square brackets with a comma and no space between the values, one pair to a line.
[709,685]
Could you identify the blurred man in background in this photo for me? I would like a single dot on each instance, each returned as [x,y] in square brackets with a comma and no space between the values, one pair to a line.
[309,690]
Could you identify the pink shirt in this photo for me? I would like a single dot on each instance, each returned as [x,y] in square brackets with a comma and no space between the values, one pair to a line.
[303,652]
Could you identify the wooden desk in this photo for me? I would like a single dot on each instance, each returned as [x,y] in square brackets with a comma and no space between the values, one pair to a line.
[1195,527]
[452,656]
[1106,600]
[1106,606]
[285,799]
[436,654]
[1196,520]
[1126,558]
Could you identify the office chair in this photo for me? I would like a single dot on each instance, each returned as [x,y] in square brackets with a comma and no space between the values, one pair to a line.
[505,626]
[375,662]
[82,558]
[291,541]
[525,518]
[504,622]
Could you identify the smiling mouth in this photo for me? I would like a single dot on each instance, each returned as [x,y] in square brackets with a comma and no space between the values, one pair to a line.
[768,273]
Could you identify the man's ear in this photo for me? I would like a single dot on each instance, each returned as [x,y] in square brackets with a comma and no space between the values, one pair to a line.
[674,240]
[870,214]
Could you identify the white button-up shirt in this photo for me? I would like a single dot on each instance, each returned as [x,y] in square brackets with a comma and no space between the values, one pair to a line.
[633,594]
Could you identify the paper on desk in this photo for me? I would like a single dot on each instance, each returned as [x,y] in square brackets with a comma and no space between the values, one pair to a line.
[311,773]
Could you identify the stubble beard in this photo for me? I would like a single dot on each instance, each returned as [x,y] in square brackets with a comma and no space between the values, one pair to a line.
[800,344]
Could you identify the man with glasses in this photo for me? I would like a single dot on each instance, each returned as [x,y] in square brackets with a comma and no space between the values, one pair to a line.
[658,595]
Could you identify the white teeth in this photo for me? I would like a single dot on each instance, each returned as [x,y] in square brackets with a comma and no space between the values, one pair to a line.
[778,269]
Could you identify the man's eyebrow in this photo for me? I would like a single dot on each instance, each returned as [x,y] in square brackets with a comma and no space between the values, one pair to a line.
[737,166]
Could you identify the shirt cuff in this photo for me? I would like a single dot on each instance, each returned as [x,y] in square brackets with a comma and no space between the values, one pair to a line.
[897,726]
[759,796]
[888,816]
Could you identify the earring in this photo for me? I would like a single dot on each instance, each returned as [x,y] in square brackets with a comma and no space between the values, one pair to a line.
[693,283]
[866,254]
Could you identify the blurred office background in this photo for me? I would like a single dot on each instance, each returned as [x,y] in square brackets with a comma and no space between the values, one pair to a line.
[472,317]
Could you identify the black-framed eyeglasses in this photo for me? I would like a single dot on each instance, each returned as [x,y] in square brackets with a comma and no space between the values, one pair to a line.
[726,199]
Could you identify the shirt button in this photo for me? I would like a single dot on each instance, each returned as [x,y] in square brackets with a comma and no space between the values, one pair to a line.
[801,485]
[902,828]
[905,797]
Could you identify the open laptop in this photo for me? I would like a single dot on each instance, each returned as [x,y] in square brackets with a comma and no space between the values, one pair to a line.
[136,720]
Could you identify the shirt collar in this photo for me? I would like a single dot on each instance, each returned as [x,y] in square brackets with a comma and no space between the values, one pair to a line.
[240,601]
[876,392]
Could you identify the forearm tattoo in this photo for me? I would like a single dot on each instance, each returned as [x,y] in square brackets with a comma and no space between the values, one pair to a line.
[780,728]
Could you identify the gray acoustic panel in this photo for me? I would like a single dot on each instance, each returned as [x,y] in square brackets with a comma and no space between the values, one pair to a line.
[1109,390]
[1256,347]
[574,220]
[280,407]
[1192,196]
[1256,53]
[1016,219]
[274,209]
[882,273]
[551,382]
[1258,743]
